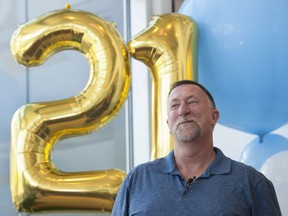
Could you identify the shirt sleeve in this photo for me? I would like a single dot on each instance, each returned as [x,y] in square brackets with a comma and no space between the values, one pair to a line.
[265,200]
[121,204]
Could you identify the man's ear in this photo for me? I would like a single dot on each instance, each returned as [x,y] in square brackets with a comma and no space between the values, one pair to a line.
[215,116]
[168,126]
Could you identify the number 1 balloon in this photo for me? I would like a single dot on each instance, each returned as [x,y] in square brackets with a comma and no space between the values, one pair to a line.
[169,48]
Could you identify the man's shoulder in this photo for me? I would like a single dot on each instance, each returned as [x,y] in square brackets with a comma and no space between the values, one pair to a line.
[162,165]
[245,170]
[242,166]
[141,174]
[144,167]
[236,165]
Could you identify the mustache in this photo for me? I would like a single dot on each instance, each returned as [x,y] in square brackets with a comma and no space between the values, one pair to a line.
[185,119]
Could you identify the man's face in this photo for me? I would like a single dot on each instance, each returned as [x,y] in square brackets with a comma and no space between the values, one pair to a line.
[190,114]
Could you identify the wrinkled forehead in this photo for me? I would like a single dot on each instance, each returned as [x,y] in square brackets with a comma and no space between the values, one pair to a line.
[186,91]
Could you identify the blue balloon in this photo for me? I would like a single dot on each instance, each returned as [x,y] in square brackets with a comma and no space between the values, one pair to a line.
[258,151]
[243,60]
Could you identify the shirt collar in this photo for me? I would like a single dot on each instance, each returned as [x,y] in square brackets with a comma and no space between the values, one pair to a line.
[167,164]
[220,165]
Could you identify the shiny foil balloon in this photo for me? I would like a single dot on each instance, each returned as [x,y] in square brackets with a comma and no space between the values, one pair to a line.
[36,184]
[169,48]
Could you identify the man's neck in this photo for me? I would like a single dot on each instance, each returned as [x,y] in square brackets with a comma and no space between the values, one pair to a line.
[193,160]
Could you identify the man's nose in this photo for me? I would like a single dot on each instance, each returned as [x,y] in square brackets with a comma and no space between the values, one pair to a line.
[183,110]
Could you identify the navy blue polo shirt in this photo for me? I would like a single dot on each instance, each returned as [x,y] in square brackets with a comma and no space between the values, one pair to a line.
[227,187]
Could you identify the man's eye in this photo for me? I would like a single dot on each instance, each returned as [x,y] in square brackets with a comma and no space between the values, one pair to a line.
[191,101]
[174,106]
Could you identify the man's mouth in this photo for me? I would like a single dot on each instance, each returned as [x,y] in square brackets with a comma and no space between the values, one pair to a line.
[184,122]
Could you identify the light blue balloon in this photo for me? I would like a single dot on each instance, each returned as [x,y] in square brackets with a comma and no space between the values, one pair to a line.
[243,60]
[258,151]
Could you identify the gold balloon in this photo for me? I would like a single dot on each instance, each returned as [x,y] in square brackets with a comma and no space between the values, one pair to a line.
[169,48]
[36,184]
[68,6]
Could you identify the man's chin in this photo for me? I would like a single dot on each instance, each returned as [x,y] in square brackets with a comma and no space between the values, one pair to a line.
[185,134]
[185,137]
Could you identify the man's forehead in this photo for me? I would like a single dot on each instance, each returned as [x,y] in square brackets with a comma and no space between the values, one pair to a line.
[190,89]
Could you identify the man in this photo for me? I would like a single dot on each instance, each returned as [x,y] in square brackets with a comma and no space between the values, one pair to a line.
[195,178]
